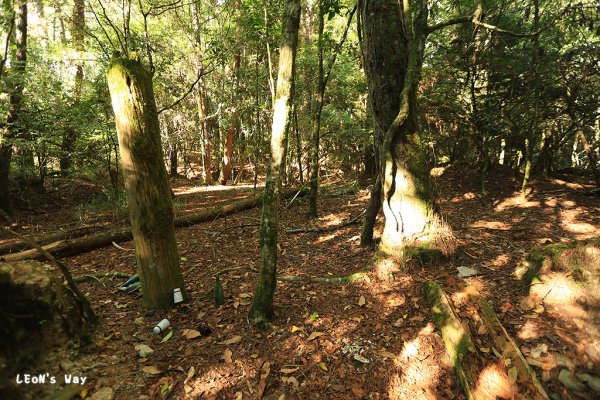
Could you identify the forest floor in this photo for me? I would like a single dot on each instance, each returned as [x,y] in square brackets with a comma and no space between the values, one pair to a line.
[371,339]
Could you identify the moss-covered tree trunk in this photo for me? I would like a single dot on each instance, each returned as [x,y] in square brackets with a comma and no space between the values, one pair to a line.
[262,303]
[11,130]
[146,183]
[393,45]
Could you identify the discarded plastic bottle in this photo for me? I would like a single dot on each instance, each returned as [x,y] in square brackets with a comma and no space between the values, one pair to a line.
[177,296]
[161,326]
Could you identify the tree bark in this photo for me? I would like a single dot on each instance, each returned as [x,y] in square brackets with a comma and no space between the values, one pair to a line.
[146,183]
[366,234]
[262,303]
[12,129]
[590,156]
[393,45]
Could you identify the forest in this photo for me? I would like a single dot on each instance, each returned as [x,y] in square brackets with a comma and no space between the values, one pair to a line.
[285,199]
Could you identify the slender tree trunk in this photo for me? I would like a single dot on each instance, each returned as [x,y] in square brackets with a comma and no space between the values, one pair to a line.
[173,159]
[262,303]
[77,33]
[530,139]
[590,156]
[298,145]
[146,183]
[316,117]
[225,173]
[366,234]
[12,129]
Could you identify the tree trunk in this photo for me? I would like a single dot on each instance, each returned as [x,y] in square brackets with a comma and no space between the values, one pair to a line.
[366,234]
[262,303]
[77,33]
[227,154]
[590,156]
[316,117]
[146,183]
[173,159]
[15,101]
[393,44]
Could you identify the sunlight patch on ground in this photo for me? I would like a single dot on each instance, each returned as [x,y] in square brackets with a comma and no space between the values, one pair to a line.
[325,238]
[493,383]
[570,185]
[496,225]
[500,261]
[529,331]
[216,379]
[182,190]
[418,374]
[515,202]
[570,223]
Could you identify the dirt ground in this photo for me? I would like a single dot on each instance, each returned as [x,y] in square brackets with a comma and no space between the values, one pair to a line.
[370,339]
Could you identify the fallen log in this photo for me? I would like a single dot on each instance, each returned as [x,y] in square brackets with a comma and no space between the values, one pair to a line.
[70,247]
[457,339]
[529,386]
[19,245]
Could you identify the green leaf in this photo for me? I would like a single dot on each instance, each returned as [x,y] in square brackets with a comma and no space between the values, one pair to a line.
[314,316]
[167,336]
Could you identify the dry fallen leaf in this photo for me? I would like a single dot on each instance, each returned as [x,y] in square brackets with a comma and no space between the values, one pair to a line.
[227,356]
[323,366]
[289,370]
[151,370]
[190,375]
[262,384]
[233,340]
[191,333]
[315,335]
[362,301]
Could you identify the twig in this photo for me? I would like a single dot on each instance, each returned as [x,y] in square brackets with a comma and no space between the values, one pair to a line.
[121,248]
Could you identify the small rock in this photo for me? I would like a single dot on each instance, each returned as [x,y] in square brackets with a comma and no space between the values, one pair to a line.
[569,379]
[105,393]
[66,365]
[592,381]
[464,272]
[144,350]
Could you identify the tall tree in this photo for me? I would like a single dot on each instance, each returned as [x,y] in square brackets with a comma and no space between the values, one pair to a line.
[77,37]
[12,129]
[146,183]
[393,45]
[262,303]
[323,74]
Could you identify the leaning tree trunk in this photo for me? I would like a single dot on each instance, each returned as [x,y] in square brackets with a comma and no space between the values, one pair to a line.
[262,303]
[15,101]
[393,45]
[146,183]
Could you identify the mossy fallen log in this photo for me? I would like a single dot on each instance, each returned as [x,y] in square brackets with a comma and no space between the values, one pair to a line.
[67,247]
[526,380]
[456,337]
[340,280]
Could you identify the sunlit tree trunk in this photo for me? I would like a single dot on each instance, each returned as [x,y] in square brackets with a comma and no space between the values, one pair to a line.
[393,45]
[77,33]
[262,303]
[590,156]
[12,129]
[146,182]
